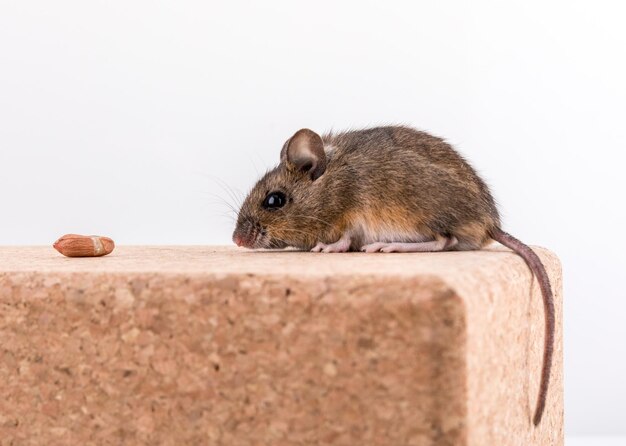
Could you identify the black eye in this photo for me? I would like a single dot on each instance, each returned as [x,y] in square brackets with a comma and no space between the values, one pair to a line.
[274,200]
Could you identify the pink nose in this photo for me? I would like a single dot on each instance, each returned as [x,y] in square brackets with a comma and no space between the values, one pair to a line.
[241,240]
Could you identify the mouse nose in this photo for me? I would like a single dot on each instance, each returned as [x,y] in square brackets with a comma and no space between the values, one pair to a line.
[238,239]
[241,237]
[246,234]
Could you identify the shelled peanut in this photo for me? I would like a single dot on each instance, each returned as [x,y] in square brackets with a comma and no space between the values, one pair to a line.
[74,245]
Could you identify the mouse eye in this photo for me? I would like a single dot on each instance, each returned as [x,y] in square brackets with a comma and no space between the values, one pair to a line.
[274,200]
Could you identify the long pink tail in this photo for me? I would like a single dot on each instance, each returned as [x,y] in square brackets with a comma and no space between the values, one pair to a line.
[535,265]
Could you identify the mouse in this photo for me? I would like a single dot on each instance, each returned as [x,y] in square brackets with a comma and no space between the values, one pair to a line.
[391,189]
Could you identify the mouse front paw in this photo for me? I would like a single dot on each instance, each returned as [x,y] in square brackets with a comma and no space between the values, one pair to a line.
[342,245]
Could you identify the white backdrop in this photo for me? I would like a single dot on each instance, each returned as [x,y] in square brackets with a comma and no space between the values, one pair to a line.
[126,118]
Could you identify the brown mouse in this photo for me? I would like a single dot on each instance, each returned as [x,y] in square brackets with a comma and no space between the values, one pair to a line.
[384,189]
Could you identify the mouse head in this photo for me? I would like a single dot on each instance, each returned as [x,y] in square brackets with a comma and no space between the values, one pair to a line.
[277,212]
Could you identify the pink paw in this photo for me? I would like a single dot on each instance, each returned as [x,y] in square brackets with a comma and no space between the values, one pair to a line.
[342,245]
[391,247]
[318,247]
[373,247]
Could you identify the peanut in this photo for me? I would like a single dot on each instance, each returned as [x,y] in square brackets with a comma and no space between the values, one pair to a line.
[74,245]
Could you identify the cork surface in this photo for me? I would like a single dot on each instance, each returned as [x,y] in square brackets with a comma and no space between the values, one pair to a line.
[221,346]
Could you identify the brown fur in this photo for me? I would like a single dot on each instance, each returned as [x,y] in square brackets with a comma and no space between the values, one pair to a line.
[388,175]
[383,184]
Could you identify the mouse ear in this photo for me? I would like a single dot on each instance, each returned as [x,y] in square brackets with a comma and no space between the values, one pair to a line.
[305,152]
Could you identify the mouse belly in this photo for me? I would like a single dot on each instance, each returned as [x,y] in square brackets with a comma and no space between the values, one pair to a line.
[370,242]
[364,232]
[402,233]
[382,236]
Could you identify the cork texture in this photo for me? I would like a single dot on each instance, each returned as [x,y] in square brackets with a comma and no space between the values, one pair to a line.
[220,346]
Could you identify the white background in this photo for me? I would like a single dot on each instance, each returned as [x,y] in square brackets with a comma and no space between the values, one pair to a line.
[127,118]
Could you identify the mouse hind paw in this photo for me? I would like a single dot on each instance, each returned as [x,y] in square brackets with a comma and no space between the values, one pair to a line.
[441,244]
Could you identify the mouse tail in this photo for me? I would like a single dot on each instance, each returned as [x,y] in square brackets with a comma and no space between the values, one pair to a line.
[534,263]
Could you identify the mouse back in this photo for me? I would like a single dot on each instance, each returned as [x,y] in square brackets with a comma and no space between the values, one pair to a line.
[415,180]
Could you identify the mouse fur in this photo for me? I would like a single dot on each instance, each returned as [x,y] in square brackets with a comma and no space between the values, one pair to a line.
[380,185]
[382,189]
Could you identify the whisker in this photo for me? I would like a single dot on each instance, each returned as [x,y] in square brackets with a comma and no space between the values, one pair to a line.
[225,215]
[268,241]
[236,195]
[224,202]
[297,231]
[327,223]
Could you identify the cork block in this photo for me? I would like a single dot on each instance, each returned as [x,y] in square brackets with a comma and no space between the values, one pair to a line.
[220,346]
